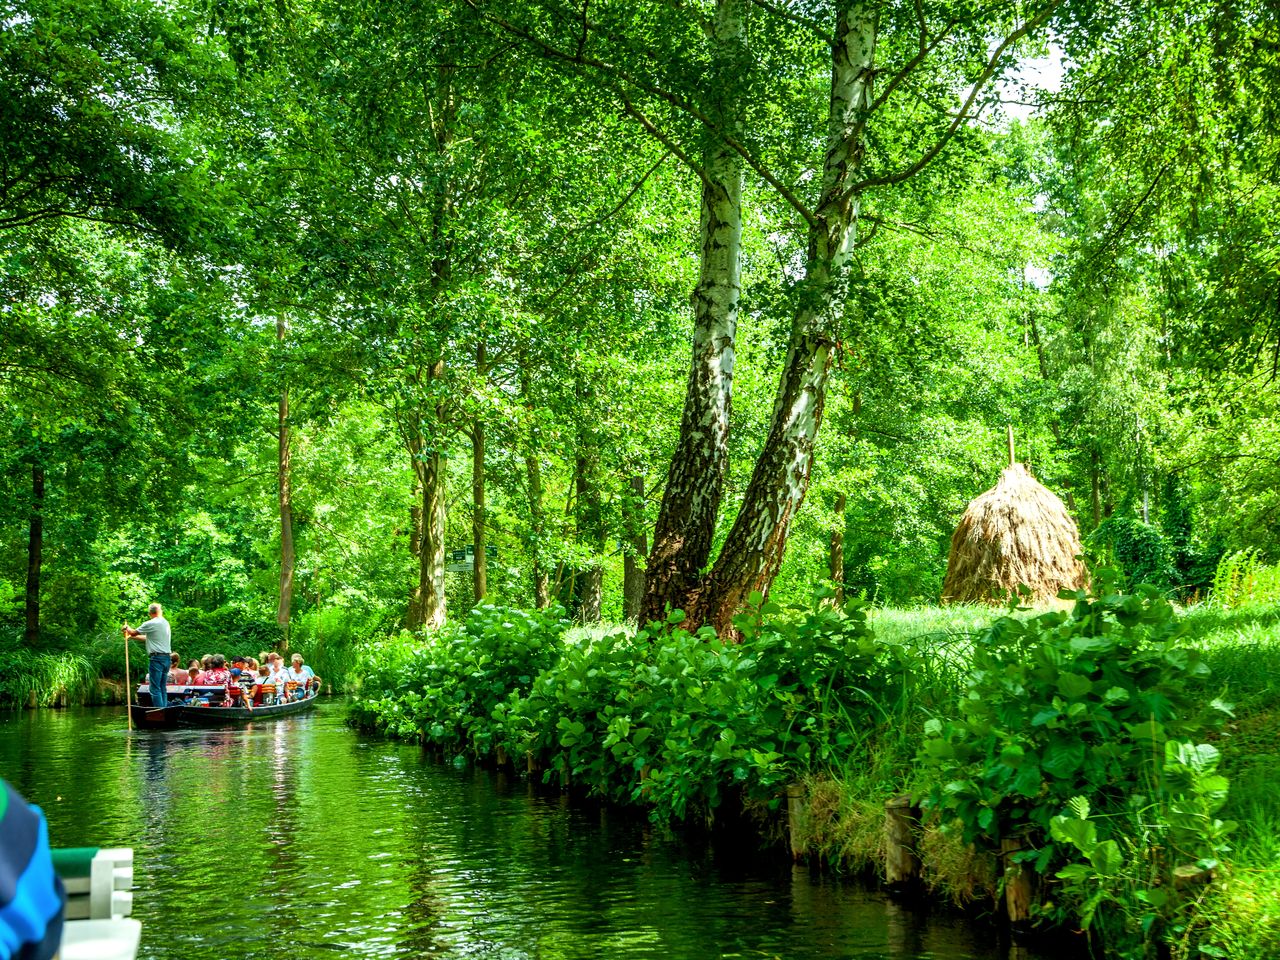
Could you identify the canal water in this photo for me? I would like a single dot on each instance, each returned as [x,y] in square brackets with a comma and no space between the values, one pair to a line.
[300,838]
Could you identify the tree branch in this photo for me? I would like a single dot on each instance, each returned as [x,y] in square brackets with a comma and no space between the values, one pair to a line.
[661,93]
[796,19]
[993,64]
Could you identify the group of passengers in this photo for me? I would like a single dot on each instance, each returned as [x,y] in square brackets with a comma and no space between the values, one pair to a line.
[247,681]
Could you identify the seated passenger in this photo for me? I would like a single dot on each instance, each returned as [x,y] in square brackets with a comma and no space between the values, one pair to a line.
[193,675]
[264,691]
[275,663]
[217,675]
[237,689]
[301,674]
[177,675]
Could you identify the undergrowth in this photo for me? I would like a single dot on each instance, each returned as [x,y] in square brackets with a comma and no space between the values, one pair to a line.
[854,704]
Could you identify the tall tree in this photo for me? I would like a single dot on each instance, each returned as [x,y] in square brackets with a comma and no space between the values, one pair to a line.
[868,144]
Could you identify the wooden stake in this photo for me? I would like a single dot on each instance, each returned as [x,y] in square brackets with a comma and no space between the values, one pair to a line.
[1011,459]
[128,685]
[1017,881]
[795,819]
[901,863]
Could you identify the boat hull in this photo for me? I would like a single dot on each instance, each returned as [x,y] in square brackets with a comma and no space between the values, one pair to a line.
[146,717]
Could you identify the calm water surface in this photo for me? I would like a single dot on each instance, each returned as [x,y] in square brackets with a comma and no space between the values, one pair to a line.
[300,838]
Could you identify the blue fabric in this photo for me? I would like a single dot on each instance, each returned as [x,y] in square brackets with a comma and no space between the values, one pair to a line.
[19,837]
[158,678]
[31,923]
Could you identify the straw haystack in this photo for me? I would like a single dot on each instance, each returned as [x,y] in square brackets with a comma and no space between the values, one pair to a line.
[1016,532]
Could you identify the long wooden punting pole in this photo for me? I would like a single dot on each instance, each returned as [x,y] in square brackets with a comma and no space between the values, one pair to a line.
[128,684]
[1011,460]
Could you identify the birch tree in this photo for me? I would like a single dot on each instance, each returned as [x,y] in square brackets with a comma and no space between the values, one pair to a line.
[734,89]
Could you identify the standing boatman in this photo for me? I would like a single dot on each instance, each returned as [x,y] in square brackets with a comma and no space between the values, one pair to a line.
[155,632]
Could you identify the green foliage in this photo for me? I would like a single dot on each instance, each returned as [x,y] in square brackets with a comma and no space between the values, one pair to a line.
[442,686]
[1138,549]
[1063,705]
[1169,839]
[228,630]
[44,677]
[1243,578]
[670,719]
[330,639]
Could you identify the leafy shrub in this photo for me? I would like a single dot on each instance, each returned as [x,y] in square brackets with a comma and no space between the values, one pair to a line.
[1243,578]
[47,675]
[1170,836]
[227,630]
[668,718]
[1104,704]
[1139,549]
[1062,705]
[442,686]
[330,638]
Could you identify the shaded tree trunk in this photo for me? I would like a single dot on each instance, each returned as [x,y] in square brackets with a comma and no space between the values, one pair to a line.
[427,600]
[835,556]
[35,556]
[537,531]
[589,581]
[431,601]
[1095,489]
[682,537]
[285,497]
[633,574]
[536,542]
[480,571]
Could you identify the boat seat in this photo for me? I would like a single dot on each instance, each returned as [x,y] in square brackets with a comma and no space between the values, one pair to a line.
[97,881]
[265,693]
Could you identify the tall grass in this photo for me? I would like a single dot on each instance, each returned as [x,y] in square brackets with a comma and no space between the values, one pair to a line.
[330,638]
[45,678]
[1242,578]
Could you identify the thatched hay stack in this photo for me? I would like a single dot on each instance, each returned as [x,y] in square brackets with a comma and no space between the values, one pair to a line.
[1016,532]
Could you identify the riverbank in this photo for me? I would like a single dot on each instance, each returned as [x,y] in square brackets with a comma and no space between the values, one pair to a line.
[992,726]
[367,849]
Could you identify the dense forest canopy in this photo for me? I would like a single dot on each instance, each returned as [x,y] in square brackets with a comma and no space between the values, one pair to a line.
[334,311]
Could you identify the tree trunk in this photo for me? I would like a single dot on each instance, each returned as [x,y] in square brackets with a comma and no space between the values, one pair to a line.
[686,523]
[431,604]
[35,550]
[633,573]
[537,531]
[536,543]
[589,518]
[754,548]
[285,490]
[480,570]
[1095,489]
[480,576]
[427,600]
[835,558]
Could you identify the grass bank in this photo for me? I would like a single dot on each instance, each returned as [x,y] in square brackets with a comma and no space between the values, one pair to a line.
[1103,740]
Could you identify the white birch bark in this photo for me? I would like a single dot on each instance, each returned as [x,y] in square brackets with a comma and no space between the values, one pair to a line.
[691,499]
[753,550]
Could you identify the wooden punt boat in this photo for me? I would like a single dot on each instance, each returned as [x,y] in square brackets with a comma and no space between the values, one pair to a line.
[208,706]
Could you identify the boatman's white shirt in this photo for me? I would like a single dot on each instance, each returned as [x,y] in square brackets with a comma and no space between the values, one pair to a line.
[156,630]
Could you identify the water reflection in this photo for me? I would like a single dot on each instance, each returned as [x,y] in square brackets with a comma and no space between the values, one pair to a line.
[298,833]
